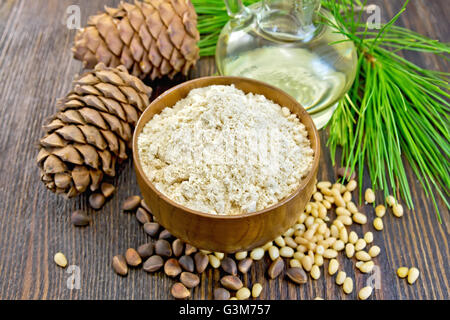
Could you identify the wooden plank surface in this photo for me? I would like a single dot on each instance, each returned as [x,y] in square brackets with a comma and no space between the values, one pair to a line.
[36,67]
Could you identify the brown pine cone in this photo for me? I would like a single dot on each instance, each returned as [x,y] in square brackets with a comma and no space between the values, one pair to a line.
[92,130]
[153,38]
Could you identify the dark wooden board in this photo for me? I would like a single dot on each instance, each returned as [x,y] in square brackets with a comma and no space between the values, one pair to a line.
[36,67]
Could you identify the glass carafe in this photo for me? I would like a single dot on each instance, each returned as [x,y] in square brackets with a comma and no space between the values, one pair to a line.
[285,43]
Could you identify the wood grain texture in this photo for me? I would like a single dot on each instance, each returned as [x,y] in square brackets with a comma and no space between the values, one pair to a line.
[36,67]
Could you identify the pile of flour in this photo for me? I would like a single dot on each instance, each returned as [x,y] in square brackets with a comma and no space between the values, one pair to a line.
[222,151]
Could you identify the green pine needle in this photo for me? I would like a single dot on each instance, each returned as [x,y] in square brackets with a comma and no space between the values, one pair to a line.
[394,107]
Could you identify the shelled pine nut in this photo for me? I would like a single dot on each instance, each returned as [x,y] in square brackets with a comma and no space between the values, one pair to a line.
[378,224]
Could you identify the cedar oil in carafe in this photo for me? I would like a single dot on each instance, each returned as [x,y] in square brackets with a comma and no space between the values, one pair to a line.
[287,44]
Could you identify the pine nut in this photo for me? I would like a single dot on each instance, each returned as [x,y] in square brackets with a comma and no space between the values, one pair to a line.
[340,278]
[359,218]
[390,200]
[343,234]
[374,251]
[349,250]
[360,244]
[367,267]
[378,224]
[219,255]
[320,249]
[333,267]
[339,245]
[302,248]
[309,221]
[365,293]
[324,185]
[348,285]
[341,211]
[280,241]
[334,231]
[368,237]
[257,253]
[351,185]
[362,256]
[402,272]
[214,261]
[351,206]
[345,220]
[369,195]
[318,196]
[318,260]
[338,224]
[330,253]
[352,237]
[359,264]
[326,204]
[306,263]
[290,242]
[273,252]
[298,255]
[338,198]
[315,272]
[286,252]
[241,255]
[60,259]
[347,196]
[397,210]
[243,293]
[294,263]
[380,210]
[256,290]
[267,245]
[318,298]
[289,232]
[413,275]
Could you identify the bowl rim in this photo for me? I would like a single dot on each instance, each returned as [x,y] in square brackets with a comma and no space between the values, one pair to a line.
[303,183]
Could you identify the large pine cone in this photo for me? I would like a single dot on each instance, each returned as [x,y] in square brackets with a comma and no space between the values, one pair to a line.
[92,130]
[154,38]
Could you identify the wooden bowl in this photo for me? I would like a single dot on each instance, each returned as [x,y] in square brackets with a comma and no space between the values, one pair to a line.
[220,233]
